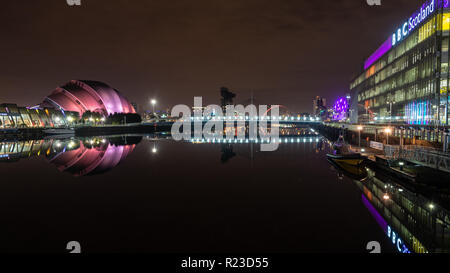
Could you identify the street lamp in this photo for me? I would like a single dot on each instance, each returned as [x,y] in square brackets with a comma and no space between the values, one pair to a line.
[387,131]
[390,110]
[359,128]
[153,102]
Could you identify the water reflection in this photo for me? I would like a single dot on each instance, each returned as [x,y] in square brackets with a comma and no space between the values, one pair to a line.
[227,153]
[413,220]
[77,156]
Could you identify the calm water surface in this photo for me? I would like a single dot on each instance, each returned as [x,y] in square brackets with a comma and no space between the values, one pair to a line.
[142,194]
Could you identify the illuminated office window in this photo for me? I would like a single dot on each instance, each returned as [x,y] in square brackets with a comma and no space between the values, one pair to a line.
[446,21]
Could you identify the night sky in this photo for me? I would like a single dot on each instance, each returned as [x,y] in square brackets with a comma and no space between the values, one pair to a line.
[284,51]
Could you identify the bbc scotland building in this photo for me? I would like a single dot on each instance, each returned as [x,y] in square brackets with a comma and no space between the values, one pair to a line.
[406,80]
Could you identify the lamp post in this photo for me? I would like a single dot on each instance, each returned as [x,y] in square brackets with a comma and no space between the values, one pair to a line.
[359,128]
[153,102]
[387,131]
[390,110]
[367,113]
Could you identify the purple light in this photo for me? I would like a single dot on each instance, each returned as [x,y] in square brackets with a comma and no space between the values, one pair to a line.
[385,47]
[380,220]
[340,109]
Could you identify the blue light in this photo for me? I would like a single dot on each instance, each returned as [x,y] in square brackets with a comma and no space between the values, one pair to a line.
[397,241]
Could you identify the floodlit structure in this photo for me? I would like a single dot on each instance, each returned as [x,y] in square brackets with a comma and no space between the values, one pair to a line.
[81,96]
[340,109]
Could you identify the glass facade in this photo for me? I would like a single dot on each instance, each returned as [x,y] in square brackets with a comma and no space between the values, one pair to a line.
[409,83]
[13,116]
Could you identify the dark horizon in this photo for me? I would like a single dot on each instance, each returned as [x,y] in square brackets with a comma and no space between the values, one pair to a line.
[284,52]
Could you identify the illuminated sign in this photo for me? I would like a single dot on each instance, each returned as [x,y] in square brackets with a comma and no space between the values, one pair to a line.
[413,22]
[428,8]
[397,241]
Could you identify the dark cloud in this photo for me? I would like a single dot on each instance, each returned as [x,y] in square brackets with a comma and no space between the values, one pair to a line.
[283,51]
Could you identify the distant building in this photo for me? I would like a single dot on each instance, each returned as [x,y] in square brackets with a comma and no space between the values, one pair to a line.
[227,97]
[319,106]
[341,109]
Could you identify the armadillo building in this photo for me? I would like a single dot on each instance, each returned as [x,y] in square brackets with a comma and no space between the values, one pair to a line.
[406,79]
[81,96]
[65,106]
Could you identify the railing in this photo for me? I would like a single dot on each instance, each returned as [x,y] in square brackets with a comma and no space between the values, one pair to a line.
[423,155]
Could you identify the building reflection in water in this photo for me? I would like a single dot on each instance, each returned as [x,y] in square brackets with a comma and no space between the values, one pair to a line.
[227,153]
[412,222]
[79,157]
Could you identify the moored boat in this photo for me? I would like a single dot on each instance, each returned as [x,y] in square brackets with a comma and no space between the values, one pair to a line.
[59,131]
[354,159]
[352,171]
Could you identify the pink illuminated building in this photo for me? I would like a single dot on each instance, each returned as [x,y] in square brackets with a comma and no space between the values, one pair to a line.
[81,96]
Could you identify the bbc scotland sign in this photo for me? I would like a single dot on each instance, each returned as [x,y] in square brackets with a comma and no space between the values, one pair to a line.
[425,11]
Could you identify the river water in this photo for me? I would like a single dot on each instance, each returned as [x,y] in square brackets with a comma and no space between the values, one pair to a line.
[153,194]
